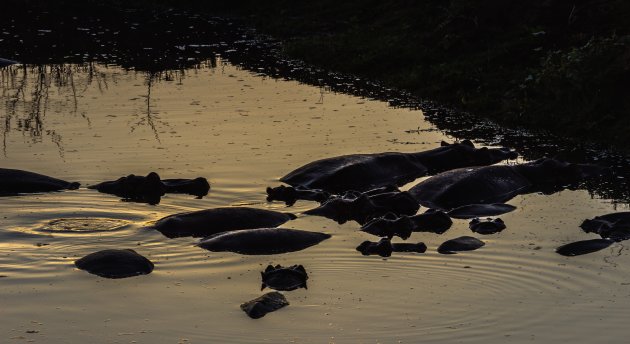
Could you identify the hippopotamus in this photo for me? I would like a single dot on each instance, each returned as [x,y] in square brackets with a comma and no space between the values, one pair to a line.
[286,279]
[384,247]
[289,195]
[615,226]
[5,62]
[489,226]
[14,182]
[262,241]
[583,247]
[362,208]
[115,263]
[197,187]
[390,225]
[478,210]
[208,222]
[366,171]
[150,188]
[498,184]
[463,243]
[260,306]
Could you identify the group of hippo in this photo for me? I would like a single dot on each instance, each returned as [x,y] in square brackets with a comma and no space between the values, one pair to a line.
[464,183]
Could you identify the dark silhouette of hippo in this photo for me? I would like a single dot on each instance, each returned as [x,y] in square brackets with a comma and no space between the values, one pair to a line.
[479,210]
[362,208]
[5,62]
[286,279]
[290,195]
[208,222]
[463,243]
[197,187]
[583,247]
[489,226]
[498,184]
[150,188]
[390,225]
[260,306]
[366,171]
[615,226]
[262,241]
[14,182]
[384,247]
[115,264]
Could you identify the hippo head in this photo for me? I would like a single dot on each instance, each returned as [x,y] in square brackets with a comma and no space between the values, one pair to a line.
[462,154]
[552,172]
[389,226]
[343,209]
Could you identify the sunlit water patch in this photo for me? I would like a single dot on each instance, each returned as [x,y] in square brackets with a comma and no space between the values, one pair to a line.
[242,132]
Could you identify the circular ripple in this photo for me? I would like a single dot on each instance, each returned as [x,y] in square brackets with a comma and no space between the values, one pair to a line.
[84,225]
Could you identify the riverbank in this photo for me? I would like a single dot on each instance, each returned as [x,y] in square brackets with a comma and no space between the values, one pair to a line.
[560,66]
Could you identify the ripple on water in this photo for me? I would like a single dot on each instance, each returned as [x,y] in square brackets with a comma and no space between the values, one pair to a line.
[84,225]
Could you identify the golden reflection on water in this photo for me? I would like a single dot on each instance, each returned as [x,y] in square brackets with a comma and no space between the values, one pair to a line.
[242,132]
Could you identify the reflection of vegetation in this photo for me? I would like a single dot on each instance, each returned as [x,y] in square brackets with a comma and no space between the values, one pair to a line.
[30,91]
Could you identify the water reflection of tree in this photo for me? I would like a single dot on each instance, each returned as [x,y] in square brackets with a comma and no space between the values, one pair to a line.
[27,91]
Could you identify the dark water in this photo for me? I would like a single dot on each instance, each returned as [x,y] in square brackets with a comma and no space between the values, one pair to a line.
[211,99]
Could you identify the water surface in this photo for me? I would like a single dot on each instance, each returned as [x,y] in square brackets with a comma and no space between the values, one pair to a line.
[95,122]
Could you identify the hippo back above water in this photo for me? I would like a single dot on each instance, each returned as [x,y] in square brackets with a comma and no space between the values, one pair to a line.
[17,181]
[498,184]
[365,171]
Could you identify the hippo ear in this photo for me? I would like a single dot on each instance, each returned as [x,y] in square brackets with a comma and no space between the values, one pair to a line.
[153,177]
[444,144]
[269,268]
[301,269]
[468,143]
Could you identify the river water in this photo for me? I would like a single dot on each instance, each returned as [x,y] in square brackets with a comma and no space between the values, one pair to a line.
[243,131]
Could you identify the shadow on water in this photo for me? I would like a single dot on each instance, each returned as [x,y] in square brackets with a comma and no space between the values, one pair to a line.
[162,45]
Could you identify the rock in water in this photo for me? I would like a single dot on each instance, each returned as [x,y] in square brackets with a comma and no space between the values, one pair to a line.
[263,241]
[463,243]
[281,278]
[259,307]
[583,247]
[115,264]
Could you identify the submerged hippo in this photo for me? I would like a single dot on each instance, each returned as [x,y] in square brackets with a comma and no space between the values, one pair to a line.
[289,195]
[489,226]
[263,241]
[115,264]
[615,226]
[478,210]
[366,171]
[497,184]
[208,222]
[14,182]
[384,247]
[150,188]
[286,279]
[390,225]
[583,247]
[361,208]
[260,306]
[463,243]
